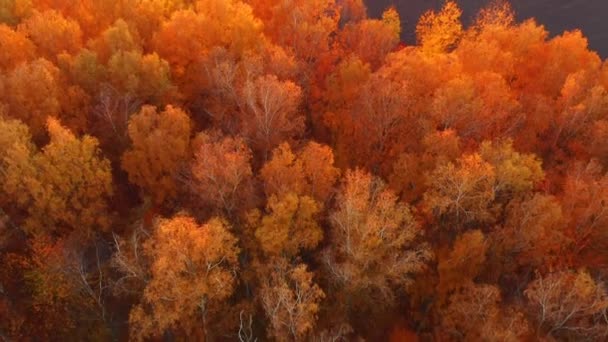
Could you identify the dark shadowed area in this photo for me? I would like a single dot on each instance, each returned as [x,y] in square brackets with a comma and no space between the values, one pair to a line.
[556,15]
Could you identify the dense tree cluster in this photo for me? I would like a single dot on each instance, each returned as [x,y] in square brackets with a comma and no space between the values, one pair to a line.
[287,170]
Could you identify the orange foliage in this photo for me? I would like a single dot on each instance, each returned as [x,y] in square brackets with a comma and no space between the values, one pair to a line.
[191,190]
[160,145]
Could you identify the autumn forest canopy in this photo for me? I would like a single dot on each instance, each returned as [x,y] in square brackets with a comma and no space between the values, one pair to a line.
[255,170]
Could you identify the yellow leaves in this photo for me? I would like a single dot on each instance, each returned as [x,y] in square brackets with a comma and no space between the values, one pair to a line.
[181,36]
[192,268]
[160,144]
[310,173]
[352,11]
[187,38]
[84,69]
[16,149]
[390,18]
[75,183]
[146,77]
[498,13]
[533,234]
[13,132]
[440,32]
[303,27]
[455,104]
[372,39]
[65,187]
[476,312]
[290,226]
[466,191]
[232,24]
[318,165]
[344,83]
[283,173]
[115,38]
[515,172]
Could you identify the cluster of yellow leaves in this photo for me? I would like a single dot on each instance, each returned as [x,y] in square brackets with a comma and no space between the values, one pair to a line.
[439,32]
[64,187]
[466,191]
[11,11]
[463,263]
[290,226]
[311,172]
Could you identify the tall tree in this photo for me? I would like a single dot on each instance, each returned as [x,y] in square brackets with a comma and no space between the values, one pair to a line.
[192,271]
[221,173]
[272,113]
[463,192]
[291,300]
[440,32]
[372,39]
[373,252]
[463,263]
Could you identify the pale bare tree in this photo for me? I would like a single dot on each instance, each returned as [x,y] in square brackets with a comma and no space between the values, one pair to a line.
[290,300]
[569,304]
